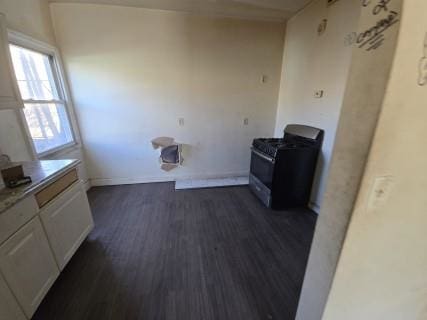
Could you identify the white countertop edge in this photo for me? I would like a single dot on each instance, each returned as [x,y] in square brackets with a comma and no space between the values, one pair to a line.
[13,199]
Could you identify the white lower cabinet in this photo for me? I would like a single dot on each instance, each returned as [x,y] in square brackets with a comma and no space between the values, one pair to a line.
[67,221]
[35,244]
[9,308]
[28,266]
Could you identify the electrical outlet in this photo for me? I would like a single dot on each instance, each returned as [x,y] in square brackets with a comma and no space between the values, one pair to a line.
[318,94]
[246,121]
[181,122]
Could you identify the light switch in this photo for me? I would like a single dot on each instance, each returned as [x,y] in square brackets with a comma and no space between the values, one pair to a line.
[181,122]
[246,121]
[380,192]
[264,78]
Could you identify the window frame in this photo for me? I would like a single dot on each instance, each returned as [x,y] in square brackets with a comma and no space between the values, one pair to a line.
[21,40]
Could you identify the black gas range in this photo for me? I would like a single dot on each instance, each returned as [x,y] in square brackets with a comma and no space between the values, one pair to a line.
[282,169]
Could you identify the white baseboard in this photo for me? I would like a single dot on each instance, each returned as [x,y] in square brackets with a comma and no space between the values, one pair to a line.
[211,183]
[87,185]
[99,182]
[96,182]
[213,176]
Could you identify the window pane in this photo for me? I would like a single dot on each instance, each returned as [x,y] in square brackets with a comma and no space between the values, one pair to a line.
[34,74]
[49,125]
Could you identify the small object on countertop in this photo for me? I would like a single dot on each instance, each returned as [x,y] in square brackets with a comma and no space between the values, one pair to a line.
[13,177]
[17,183]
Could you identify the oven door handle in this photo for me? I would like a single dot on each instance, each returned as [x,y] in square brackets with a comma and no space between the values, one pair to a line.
[261,155]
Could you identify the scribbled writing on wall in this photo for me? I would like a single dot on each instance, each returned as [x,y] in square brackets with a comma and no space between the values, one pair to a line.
[381,5]
[422,78]
[373,37]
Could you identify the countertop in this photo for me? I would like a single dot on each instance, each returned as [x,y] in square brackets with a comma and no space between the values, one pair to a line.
[41,172]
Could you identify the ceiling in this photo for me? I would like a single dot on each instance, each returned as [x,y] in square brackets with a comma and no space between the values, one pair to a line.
[250,9]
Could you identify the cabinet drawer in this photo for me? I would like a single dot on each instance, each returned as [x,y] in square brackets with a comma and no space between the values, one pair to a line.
[14,218]
[44,196]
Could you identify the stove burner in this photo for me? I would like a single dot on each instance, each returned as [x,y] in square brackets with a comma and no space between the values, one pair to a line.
[270,146]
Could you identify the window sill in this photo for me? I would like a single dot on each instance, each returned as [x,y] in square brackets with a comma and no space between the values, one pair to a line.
[60,151]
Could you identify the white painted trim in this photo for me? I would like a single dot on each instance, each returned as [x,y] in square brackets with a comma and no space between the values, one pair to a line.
[200,176]
[30,43]
[15,102]
[189,184]
[23,40]
[95,182]
[87,185]
[57,150]
[45,101]
[61,151]
[99,182]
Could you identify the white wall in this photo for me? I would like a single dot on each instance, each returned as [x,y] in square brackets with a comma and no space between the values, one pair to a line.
[363,99]
[312,63]
[382,269]
[135,72]
[32,18]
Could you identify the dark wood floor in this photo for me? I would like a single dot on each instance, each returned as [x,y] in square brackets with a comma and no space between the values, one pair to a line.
[161,254]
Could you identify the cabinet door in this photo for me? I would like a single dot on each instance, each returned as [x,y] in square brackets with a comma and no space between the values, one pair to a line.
[9,308]
[28,266]
[67,221]
[9,97]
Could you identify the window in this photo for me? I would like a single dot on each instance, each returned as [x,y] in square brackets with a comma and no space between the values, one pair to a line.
[45,107]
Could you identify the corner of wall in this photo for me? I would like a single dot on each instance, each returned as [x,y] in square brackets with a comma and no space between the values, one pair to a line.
[363,100]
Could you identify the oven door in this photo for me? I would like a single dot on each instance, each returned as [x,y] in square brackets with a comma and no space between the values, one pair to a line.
[262,167]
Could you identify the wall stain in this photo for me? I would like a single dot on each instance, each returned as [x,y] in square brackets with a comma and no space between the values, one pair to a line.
[422,78]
